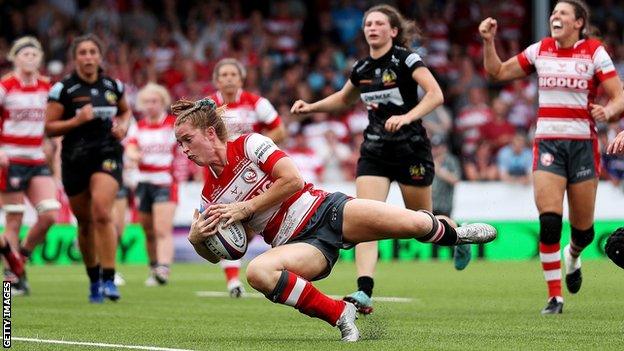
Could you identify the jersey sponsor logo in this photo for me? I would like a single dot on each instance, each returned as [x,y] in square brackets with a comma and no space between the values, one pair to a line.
[95,92]
[377,72]
[264,150]
[27,114]
[412,59]
[388,77]
[394,60]
[547,159]
[110,97]
[382,97]
[104,112]
[561,82]
[73,88]
[108,83]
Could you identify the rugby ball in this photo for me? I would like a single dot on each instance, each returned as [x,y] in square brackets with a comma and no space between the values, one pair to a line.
[230,242]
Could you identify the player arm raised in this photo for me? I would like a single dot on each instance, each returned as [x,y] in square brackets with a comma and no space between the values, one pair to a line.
[336,102]
[496,69]
[286,181]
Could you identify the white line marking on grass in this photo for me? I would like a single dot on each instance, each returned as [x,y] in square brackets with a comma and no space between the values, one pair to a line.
[258,295]
[97,344]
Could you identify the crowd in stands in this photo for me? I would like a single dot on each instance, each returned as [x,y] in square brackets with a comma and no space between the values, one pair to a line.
[295,49]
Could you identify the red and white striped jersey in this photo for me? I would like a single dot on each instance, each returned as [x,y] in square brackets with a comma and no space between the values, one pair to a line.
[23,117]
[250,113]
[247,174]
[567,79]
[157,144]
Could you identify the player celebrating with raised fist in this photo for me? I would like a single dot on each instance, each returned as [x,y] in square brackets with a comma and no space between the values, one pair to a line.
[253,181]
[566,159]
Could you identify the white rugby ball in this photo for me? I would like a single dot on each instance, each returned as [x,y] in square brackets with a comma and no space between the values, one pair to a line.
[230,242]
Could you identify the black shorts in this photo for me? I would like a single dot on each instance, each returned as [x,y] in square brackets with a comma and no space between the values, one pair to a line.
[408,162]
[77,171]
[324,230]
[17,177]
[575,160]
[148,194]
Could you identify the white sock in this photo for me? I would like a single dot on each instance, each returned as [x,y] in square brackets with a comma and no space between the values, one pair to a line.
[571,263]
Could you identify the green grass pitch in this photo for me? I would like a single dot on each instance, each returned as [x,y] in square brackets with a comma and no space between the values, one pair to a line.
[489,306]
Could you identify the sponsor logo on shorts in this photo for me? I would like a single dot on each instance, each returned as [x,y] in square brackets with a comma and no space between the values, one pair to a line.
[583,172]
[546,159]
[109,165]
[417,172]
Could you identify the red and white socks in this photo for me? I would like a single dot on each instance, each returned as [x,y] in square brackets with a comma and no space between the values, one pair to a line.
[299,293]
[551,265]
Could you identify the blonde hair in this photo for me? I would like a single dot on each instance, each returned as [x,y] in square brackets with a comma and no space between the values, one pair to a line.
[153,88]
[201,114]
[229,61]
[22,43]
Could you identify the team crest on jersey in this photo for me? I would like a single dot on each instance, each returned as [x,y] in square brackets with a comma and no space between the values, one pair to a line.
[109,165]
[250,176]
[581,67]
[110,97]
[417,172]
[547,159]
[388,77]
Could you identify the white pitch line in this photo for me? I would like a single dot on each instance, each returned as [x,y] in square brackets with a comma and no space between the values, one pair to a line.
[97,344]
[258,295]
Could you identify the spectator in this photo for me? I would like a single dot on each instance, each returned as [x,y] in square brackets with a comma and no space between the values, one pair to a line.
[499,132]
[482,165]
[515,161]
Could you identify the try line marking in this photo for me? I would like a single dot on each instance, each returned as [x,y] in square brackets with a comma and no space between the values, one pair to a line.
[258,295]
[97,344]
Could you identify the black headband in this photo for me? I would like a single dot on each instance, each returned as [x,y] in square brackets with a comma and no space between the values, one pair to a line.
[24,46]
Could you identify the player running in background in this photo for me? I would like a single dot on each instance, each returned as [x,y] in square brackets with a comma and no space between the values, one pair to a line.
[245,113]
[90,110]
[151,145]
[566,159]
[23,165]
[395,147]
[253,181]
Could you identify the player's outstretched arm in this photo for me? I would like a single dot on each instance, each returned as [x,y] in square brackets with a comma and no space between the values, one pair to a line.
[336,102]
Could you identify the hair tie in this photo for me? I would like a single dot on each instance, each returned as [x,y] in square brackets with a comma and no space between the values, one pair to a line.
[206,102]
